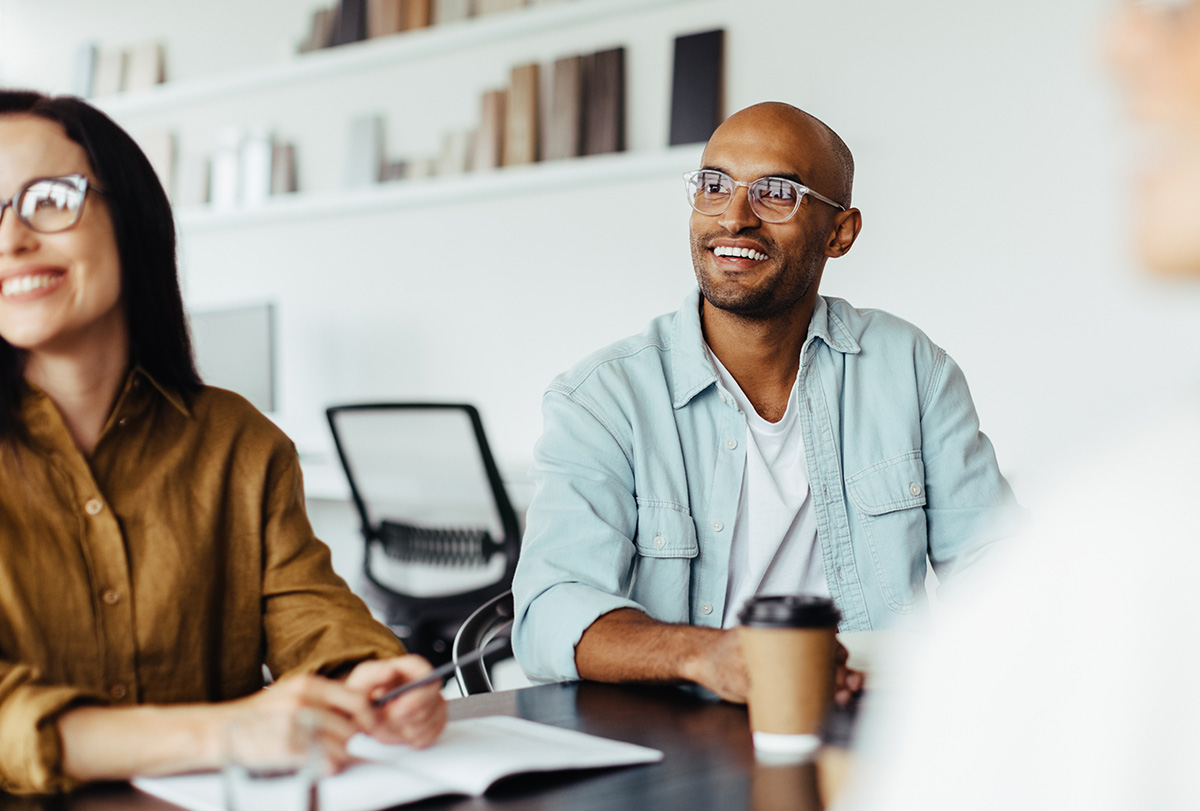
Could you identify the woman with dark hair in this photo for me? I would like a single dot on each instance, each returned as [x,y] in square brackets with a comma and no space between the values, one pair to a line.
[154,549]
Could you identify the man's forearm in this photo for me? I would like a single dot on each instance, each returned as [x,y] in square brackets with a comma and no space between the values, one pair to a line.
[627,646]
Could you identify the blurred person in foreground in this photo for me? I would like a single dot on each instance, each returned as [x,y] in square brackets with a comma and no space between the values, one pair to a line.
[154,548]
[1072,683]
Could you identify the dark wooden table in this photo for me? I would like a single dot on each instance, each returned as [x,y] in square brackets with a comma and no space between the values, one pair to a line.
[709,760]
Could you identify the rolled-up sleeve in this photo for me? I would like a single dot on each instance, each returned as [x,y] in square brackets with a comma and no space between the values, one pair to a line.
[30,746]
[578,556]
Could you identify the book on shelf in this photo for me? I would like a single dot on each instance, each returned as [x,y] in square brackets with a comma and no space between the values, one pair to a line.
[320,34]
[421,167]
[417,14]
[384,17]
[365,151]
[351,22]
[697,86]
[489,138]
[110,72]
[145,67]
[455,157]
[192,183]
[468,758]
[521,118]
[159,147]
[449,11]
[564,120]
[604,102]
[283,168]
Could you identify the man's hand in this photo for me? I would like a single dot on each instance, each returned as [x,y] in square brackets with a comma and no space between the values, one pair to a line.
[627,646]
[415,718]
[720,666]
[723,670]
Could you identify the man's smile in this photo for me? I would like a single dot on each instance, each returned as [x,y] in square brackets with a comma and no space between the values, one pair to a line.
[739,253]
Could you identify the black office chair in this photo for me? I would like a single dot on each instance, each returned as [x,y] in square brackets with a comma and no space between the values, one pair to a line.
[440,532]
[492,620]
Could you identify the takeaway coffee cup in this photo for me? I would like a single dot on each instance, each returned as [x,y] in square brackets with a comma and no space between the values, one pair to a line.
[788,642]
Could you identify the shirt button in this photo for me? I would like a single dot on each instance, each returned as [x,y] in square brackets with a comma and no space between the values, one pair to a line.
[717,526]
[118,691]
[705,608]
[94,506]
[914,488]
[121,422]
[660,541]
[731,443]
[723,400]
[111,596]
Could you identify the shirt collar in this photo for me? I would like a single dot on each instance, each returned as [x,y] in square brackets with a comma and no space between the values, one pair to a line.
[133,382]
[692,370]
[831,329]
[137,373]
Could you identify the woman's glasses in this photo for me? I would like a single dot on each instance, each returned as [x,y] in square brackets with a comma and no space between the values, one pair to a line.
[49,204]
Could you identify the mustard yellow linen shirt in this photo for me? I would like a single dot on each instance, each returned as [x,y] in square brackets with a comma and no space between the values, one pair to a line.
[168,566]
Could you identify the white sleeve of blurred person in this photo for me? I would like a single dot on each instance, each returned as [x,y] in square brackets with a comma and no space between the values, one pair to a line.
[1073,681]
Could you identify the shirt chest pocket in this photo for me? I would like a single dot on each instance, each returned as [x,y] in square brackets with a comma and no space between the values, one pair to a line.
[665,531]
[889,498]
[666,550]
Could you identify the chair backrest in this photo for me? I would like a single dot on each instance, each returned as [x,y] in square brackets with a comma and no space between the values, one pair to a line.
[492,620]
[440,531]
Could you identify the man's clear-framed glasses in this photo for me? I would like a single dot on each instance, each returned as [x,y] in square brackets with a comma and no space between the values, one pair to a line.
[772,199]
[48,205]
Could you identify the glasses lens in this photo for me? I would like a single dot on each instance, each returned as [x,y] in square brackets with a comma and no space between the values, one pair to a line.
[709,191]
[773,198]
[50,205]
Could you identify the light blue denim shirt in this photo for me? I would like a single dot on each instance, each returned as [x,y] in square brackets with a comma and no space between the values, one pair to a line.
[639,471]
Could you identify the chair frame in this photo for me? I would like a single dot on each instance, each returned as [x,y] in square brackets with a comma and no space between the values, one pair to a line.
[405,613]
[490,621]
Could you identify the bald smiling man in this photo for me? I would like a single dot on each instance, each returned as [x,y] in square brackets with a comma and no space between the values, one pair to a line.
[762,439]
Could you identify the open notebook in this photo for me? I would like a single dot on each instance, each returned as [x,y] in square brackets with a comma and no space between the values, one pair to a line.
[468,758]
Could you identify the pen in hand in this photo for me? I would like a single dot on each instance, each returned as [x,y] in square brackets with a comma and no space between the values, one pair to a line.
[442,672]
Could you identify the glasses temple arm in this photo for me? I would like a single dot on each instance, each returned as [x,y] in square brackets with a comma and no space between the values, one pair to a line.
[825,199]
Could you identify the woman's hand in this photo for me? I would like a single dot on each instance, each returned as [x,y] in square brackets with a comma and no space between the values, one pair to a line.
[331,708]
[415,718]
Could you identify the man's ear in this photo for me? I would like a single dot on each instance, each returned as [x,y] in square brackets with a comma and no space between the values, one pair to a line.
[846,226]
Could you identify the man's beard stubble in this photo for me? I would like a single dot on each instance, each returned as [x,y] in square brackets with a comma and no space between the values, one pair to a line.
[779,294]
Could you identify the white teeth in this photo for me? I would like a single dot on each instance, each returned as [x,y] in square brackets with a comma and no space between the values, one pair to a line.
[742,253]
[25,284]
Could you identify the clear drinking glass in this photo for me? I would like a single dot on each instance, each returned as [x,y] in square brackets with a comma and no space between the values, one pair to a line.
[272,761]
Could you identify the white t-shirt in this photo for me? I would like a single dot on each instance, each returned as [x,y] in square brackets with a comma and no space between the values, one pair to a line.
[774,549]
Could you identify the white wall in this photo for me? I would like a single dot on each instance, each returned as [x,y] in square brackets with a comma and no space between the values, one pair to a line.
[988,172]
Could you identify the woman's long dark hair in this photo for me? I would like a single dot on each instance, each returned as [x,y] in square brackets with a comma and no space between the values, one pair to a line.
[145,234]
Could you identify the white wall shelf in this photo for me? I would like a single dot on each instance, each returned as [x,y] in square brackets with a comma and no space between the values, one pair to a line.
[374,53]
[448,189]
